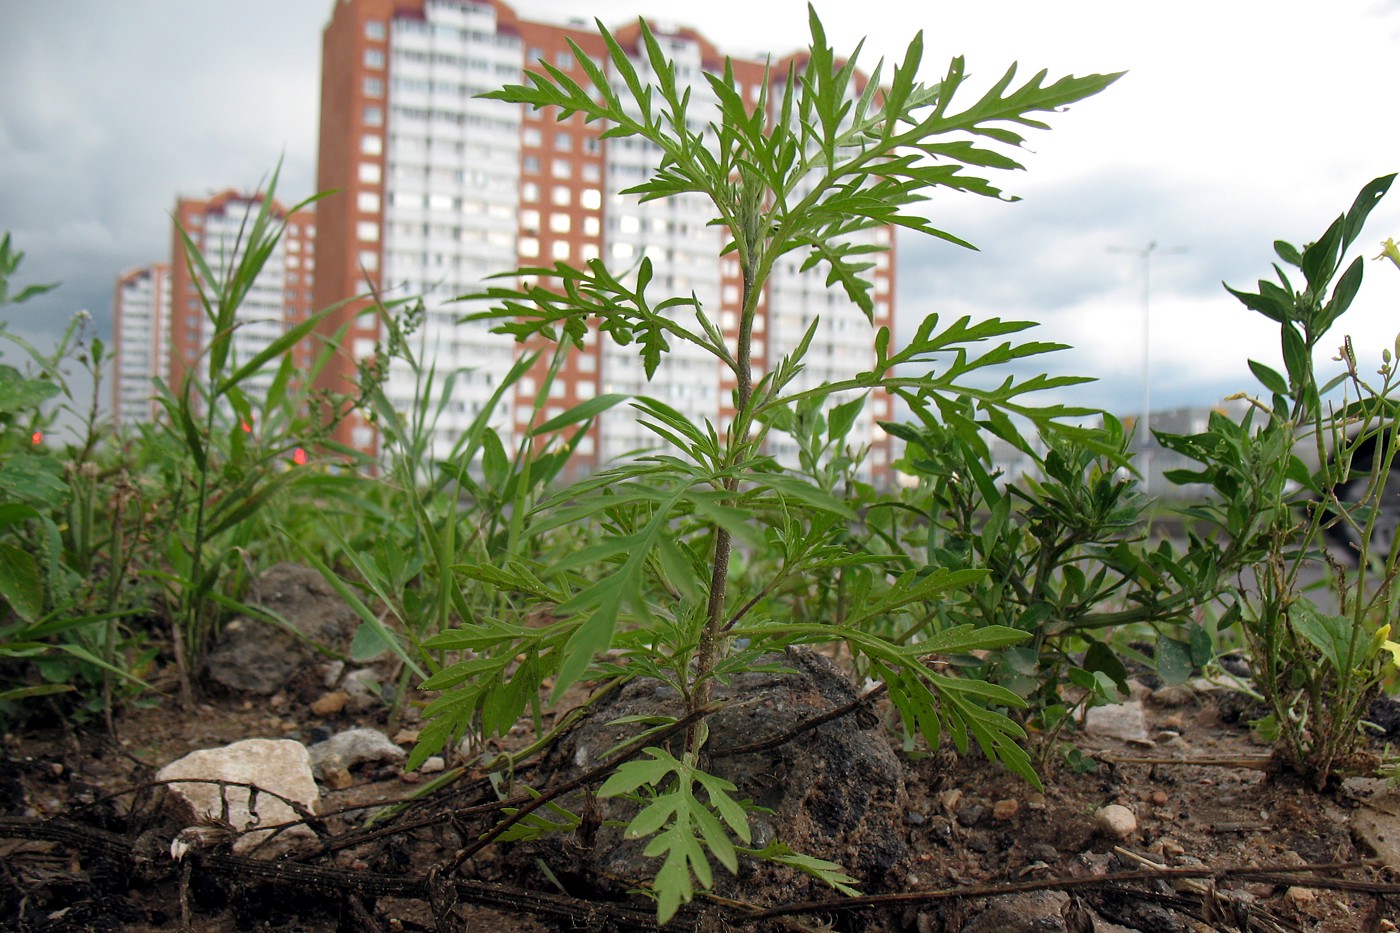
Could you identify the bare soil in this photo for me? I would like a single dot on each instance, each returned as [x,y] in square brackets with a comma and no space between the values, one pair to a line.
[84,844]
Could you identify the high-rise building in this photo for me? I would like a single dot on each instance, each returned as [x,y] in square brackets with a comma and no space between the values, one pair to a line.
[280,297]
[141,344]
[436,189]
[161,325]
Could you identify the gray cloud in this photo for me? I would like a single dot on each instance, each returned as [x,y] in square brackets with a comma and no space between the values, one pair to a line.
[117,109]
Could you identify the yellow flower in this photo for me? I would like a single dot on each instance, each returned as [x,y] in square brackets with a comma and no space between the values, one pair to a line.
[1390,250]
[1382,639]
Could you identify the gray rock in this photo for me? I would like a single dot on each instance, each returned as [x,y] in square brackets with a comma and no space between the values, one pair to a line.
[1032,912]
[970,814]
[835,792]
[253,656]
[345,750]
[277,765]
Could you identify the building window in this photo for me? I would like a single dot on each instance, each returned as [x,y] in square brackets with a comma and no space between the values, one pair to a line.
[564,60]
[561,168]
[530,219]
[587,363]
[532,136]
[370,173]
[534,55]
[374,29]
[369,260]
[559,223]
[560,250]
[591,172]
[374,58]
[374,87]
[372,144]
[529,191]
[529,246]
[591,226]
[589,252]
[563,142]
[374,116]
[591,145]
[367,231]
[367,202]
[591,199]
[561,195]
[531,164]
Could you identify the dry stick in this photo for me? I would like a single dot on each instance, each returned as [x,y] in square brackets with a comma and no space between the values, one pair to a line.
[788,736]
[1064,884]
[1252,762]
[593,915]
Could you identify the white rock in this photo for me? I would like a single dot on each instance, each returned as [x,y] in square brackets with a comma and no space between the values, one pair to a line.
[1116,821]
[1123,721]
[280,766]
[364,688]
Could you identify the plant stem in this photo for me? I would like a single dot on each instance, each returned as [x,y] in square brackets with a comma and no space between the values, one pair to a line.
[715,626]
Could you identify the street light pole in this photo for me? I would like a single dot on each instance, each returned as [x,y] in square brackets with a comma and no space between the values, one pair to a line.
[1144,425]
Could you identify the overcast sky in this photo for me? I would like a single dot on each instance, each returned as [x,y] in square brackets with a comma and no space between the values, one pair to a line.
[1238,123]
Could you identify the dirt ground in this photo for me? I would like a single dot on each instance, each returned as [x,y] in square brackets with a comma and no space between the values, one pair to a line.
[84,844]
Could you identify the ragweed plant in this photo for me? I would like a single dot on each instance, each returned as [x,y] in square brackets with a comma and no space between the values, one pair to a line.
[819,160]
[1316,661]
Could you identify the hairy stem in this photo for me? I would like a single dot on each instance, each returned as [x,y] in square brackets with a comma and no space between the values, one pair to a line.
[710,638]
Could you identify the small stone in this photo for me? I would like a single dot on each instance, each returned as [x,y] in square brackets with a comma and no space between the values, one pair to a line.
[1116,821]
[1123,721]
[914,818]
[363,688]
[1159,798]
[949,799]
[357,746]
[1005,809]
[979,842]
[1043,852]
[1173,695]
[432,765]
[970,814]
[1299,897]
[1170,847]
[328,704]
[332,772]
[405,737]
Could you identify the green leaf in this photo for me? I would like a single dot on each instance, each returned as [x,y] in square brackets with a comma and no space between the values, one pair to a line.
[1330,634]
[18,393]
[370,643]
[1270,378]
[20,582]
[580,412]
[1173,660]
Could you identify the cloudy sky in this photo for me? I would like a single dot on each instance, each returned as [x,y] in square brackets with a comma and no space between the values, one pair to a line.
[1238,123]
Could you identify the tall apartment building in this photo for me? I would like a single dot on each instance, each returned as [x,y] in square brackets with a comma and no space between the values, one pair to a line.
[437,189]
[141,344]
[161,326]
[280,297]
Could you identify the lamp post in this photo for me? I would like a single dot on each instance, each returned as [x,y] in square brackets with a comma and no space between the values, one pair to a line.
[1145,419]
